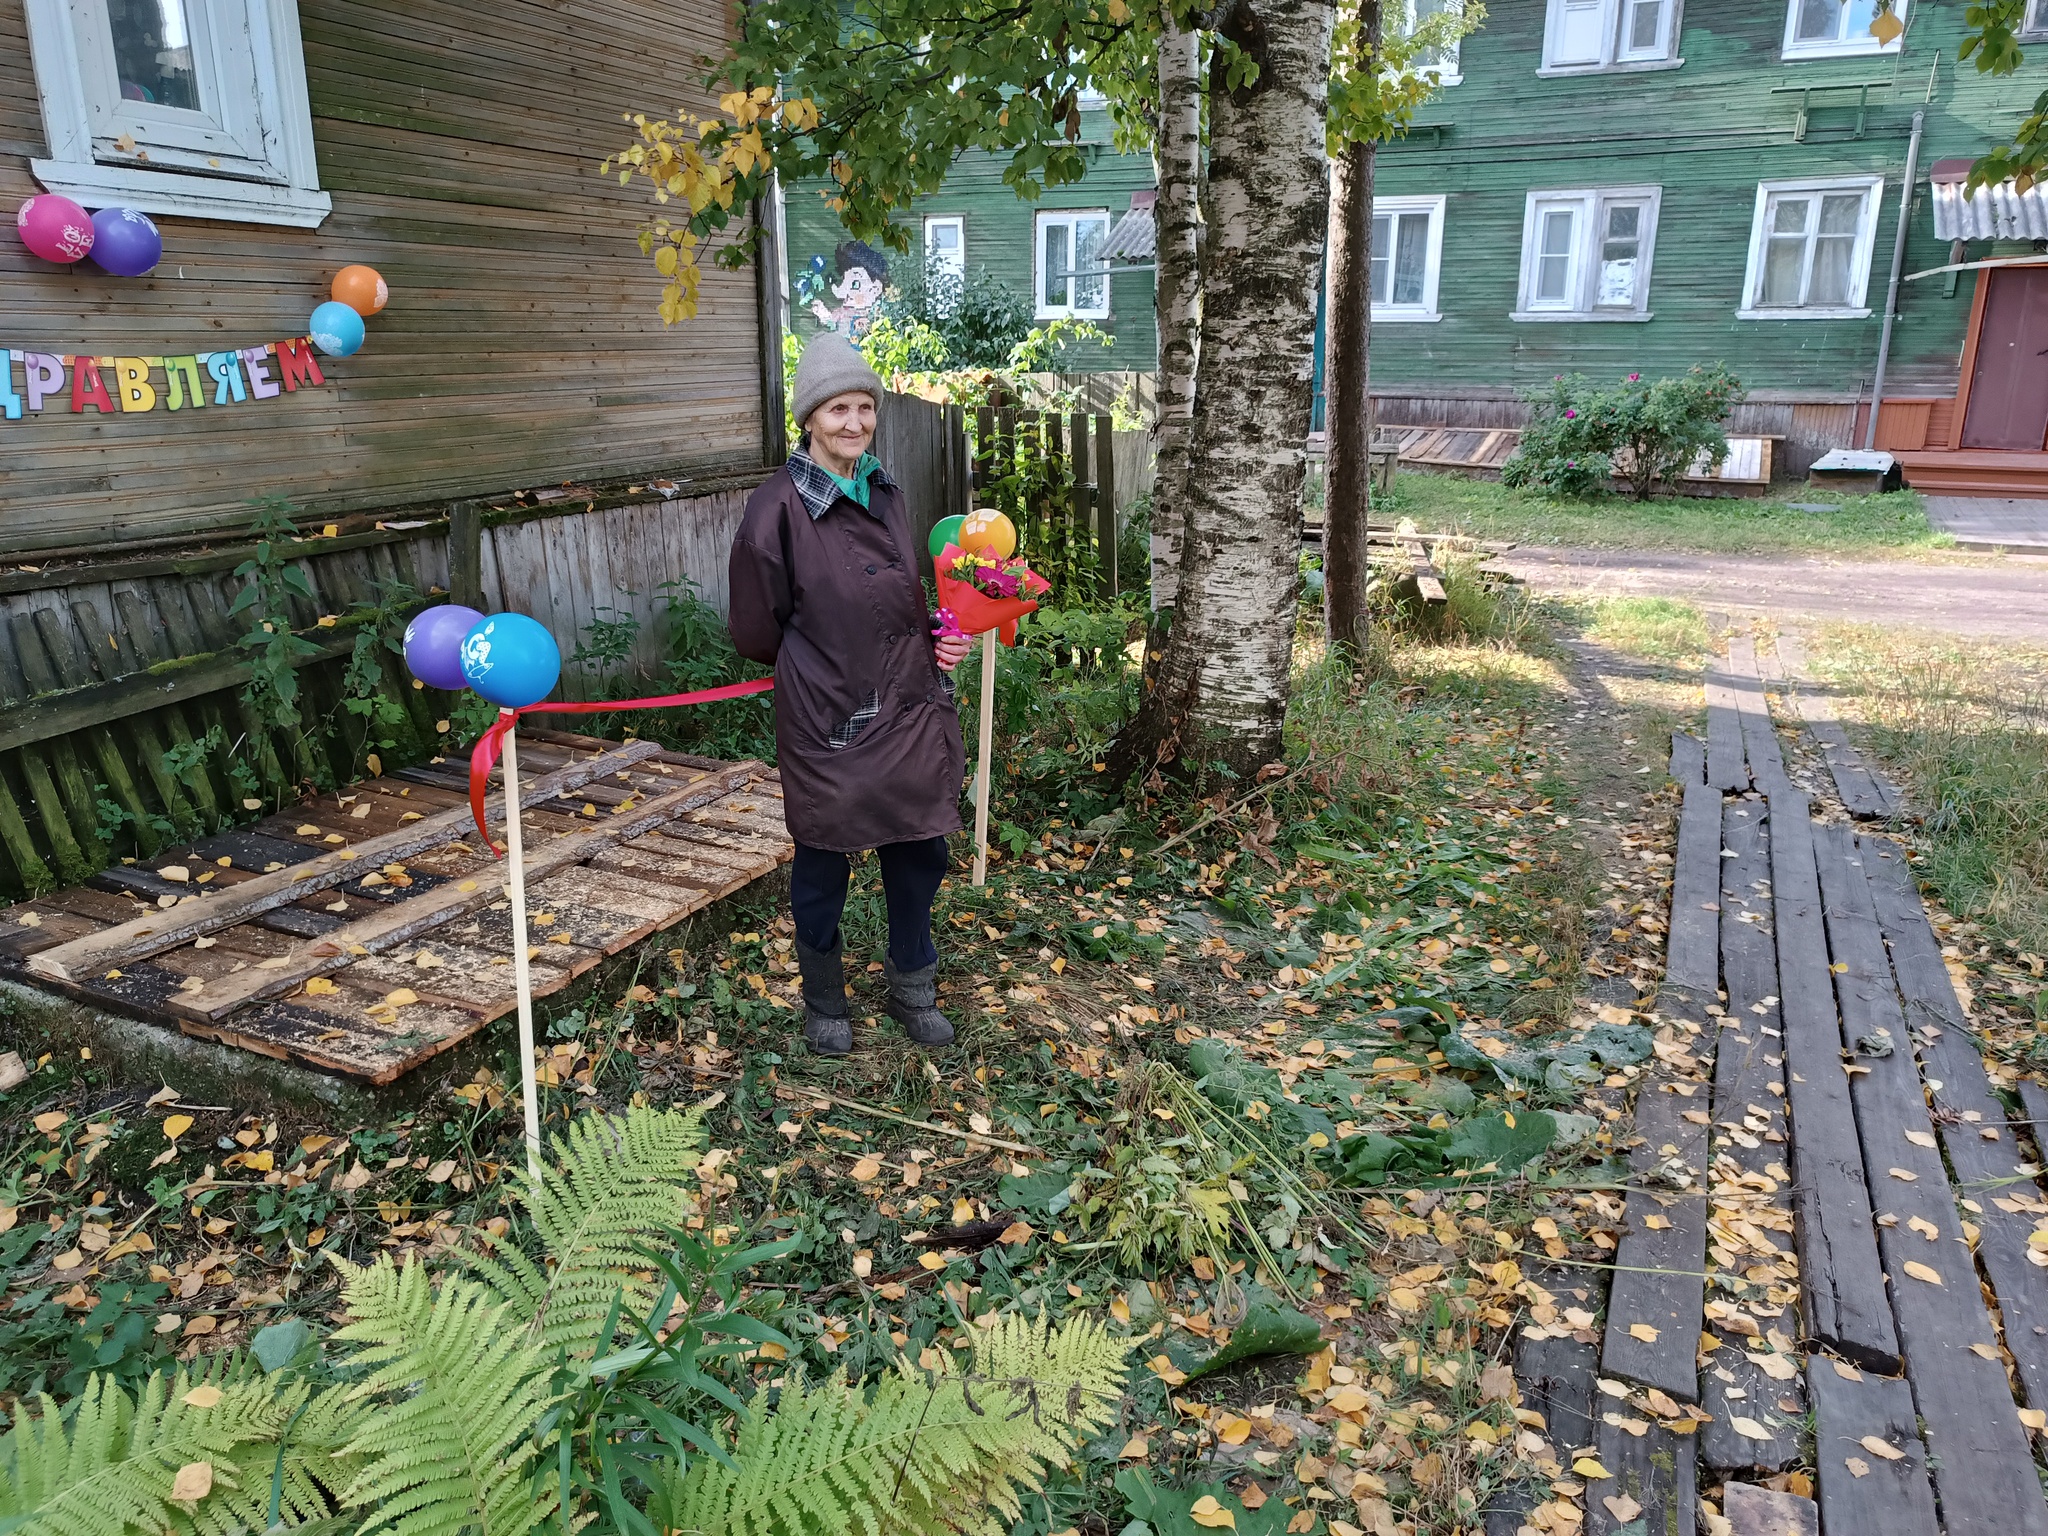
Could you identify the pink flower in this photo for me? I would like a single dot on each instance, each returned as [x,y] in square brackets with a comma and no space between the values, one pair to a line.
[1635,378]
[1570,415]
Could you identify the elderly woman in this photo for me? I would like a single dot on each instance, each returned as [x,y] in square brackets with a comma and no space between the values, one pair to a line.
[827,585]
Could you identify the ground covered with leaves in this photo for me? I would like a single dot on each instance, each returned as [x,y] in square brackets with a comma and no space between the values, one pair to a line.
[1310,1089]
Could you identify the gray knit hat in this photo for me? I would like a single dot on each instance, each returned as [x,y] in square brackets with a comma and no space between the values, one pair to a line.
[831,365]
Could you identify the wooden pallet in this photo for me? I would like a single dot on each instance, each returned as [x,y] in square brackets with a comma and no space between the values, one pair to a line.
[365,932]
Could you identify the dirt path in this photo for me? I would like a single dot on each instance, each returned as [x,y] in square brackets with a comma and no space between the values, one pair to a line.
[1990,596]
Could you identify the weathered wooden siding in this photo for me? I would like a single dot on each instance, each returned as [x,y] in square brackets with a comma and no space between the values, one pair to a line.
[1707,132]
[520,347]
[999,229]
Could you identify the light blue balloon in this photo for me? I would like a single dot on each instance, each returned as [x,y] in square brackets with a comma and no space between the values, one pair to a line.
[336,329]
[511,660]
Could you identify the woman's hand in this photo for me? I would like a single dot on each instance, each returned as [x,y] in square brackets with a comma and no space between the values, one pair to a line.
[950,650]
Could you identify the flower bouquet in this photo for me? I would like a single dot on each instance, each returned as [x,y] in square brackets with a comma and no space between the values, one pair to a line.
[979,593]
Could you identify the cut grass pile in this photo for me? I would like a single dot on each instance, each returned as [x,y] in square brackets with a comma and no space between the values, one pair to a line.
[1878,525]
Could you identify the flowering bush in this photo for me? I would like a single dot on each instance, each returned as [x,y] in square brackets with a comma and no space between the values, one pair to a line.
[1641,431]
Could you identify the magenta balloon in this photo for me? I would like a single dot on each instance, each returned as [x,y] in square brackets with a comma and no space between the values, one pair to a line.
[433,644]
[54,228]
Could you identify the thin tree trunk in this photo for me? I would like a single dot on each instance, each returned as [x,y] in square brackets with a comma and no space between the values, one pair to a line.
[1223,679]
[1177,289]
[1347,400]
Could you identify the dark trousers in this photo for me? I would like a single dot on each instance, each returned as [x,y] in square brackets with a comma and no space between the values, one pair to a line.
[911,873]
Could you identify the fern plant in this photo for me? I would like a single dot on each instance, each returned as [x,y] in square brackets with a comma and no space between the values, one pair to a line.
[616,1188]
[932,1451]
[457,1388]
[109,1463]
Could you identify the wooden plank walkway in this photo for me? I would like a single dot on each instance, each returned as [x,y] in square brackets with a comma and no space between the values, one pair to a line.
[1849,1234]
[1865,792]
[364,932]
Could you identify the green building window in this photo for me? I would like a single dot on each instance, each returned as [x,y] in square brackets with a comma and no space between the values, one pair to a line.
[1810,249]
[1823,28]
[1583,35]
[1071,279]
[1407,249]
[1586,254]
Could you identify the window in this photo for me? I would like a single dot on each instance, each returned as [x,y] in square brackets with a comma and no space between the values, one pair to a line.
[1820,28]
[1809,249]
[1404,16]
[1407,249]
[1586,254]
[1582,35]
[945,246]
[193,107]
[1071,279]
[2037,19]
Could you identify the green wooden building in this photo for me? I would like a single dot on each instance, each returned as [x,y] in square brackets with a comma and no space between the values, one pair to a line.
[976,223]
[1619,186]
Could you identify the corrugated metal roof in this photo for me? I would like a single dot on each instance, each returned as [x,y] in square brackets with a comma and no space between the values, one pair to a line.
[2000,212]
[1135,236]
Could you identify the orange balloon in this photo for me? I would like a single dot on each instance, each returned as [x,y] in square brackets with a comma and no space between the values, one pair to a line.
[989,532]
[362,289]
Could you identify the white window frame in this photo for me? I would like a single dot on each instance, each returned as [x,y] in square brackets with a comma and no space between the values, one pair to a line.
[1841,47]
[1614,15]
[1070,218]
[2036,24]
[1859,261]
[1591,204]
[959,224]
[1446,73]
[247,158]
[1425,312]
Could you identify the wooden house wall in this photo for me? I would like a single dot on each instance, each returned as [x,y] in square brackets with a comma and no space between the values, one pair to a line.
[520,347]
[999,230]
[1707,133]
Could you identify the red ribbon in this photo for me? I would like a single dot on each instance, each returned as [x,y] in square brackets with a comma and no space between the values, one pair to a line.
[484,755]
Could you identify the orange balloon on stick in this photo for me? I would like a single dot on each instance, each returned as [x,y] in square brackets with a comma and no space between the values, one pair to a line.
[362,289]
[988,532]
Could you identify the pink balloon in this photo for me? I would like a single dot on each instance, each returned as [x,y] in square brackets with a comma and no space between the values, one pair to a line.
[54,228]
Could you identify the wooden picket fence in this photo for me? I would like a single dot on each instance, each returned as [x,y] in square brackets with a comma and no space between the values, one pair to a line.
[1056,476]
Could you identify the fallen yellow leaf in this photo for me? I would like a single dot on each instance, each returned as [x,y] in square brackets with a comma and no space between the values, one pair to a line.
[1749,1429]
[930,1261]
[201,1397]
[1163,1367]
[867,1168]
[1137,1448]
[1232,1430]
[1586,1466]
[1208,1513]
[193,1482]
[1857,1466]
[1878,1446]
[1920,1271]
[1621,1506]
[1642,1331]
[320,986]
[176,1126]
[2034,1418]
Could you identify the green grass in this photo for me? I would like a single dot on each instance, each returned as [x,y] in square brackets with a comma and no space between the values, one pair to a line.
[1654,628]
[1877,525]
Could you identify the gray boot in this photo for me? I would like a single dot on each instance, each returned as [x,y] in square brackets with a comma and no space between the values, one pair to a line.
[826,1025]
[914,1003]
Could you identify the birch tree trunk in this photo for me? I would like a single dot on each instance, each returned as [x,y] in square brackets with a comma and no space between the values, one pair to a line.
[1223,678]
[1177,303]
[1347,401]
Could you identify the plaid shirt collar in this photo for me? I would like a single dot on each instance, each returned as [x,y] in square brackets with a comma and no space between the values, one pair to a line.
[817,488]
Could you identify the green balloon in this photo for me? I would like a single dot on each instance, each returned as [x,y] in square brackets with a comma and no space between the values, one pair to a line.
[946,531]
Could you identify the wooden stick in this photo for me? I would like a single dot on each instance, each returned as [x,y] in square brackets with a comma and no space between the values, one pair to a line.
[981,774]
[522,977]
[921,1125]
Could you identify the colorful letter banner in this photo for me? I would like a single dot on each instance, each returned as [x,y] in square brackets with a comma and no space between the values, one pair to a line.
[97,383]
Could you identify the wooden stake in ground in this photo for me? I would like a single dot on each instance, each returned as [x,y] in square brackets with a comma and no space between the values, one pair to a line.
[981,774]
[515,856]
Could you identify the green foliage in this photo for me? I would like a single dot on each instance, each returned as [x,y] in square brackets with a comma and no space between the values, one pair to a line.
[107,1463]
[605,653]
[1374,92]
[366,682]
[270,579]
[977,319]
[453,1387]
[1170,1511]
[1644,431]
[1155,1199]
[615,1188]
[927,1452]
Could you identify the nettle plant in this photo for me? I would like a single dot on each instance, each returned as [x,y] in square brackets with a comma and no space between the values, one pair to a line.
[1641,431]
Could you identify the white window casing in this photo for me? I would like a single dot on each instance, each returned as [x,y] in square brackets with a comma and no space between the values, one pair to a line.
[1810,246]
[1068,241]
[2036,24]
[1585,36]
[1440,64]
[1407,257]
[1587,253]
[1827,29]
[945,244]
[218,125]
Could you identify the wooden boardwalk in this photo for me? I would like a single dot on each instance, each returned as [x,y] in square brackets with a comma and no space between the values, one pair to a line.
[1833,1232]
[364,932]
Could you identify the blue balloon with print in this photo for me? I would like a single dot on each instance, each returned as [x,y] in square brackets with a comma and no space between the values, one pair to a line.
[433,644]
[125,242]
[336,329]
[511,660]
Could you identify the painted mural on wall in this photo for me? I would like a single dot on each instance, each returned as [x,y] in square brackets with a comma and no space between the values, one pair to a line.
[842,295]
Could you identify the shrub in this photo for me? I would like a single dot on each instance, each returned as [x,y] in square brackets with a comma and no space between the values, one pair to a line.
[1642,430]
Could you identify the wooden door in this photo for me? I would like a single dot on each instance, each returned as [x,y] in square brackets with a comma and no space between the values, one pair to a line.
[2009,384]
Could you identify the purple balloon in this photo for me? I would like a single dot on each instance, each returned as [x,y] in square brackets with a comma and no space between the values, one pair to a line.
[124,242]
[433,644]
